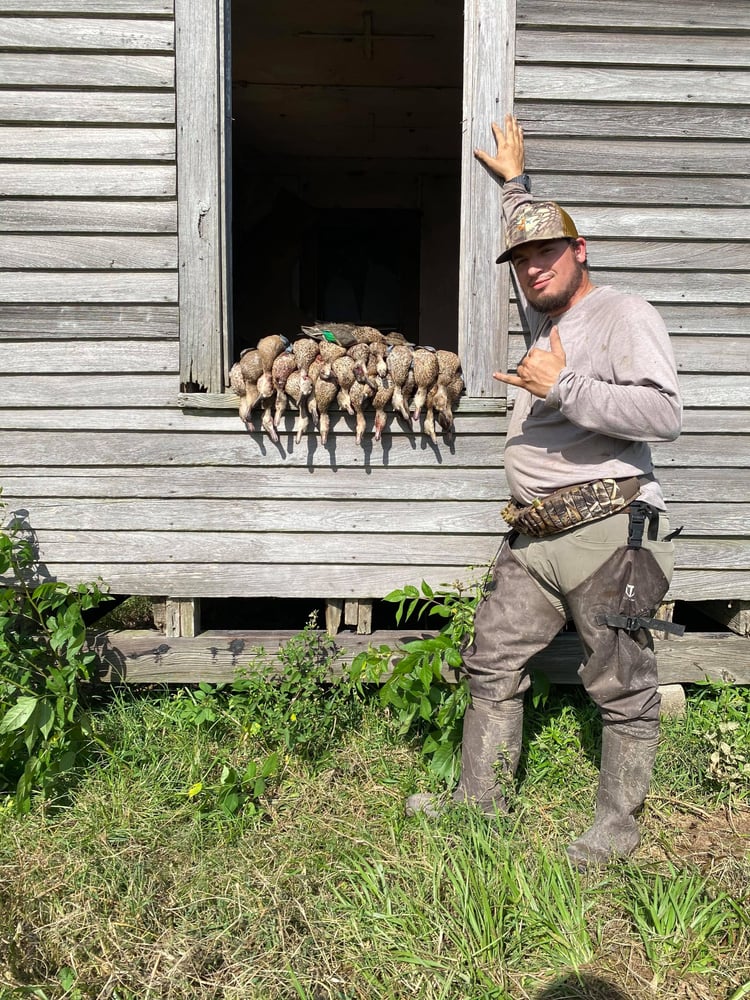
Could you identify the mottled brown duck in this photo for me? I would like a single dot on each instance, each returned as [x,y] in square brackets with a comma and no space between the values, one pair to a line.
[398,362]
[381,399]
[425,376]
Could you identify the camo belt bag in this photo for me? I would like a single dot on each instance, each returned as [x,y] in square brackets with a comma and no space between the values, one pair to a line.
[572,506]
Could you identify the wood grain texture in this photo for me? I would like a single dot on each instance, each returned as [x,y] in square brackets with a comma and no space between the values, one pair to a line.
[489,58]
[81,143]
[636,120]
[667,191]
[107,108]
[86,180]
[692,51]
[258,512]
[215,579]
[720,421]
[53,69]
[216,656]
[57,322]
[82,33]
[709,486]
[81,216]
[200,448]
[203,313]
[108,8]
[111,253]
[730,16]
[635,156]
[87,286]
[116,356]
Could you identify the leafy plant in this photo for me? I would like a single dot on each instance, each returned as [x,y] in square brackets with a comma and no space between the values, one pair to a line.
[237,791]
[44,728]
[423,698]
[295,703]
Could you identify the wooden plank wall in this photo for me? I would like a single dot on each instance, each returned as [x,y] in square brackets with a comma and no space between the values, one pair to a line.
[120,479]
[637,117]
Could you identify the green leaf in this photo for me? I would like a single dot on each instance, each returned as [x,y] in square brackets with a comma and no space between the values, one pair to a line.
[410,591]
[453,658]
[394,597]
[427,590]
[19,714]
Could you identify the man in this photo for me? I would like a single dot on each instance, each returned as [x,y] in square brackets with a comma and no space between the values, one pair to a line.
[590,540]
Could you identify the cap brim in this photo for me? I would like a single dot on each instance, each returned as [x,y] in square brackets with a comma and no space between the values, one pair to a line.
[504,256]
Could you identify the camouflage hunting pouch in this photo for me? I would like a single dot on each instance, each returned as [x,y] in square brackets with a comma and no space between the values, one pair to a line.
[571,507]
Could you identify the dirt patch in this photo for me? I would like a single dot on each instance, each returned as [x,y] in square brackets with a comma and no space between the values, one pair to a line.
[699,836]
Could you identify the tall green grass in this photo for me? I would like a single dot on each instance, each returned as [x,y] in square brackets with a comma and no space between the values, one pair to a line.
[316,886]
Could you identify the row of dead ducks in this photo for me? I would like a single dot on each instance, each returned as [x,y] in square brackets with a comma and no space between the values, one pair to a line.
[356,367]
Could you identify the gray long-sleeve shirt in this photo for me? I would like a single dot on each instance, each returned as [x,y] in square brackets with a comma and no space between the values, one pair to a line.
[617,391]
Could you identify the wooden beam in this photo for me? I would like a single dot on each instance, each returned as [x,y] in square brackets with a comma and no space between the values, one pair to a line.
[182,617]
[216,656]
[489,59]
[334,609]
[200,172]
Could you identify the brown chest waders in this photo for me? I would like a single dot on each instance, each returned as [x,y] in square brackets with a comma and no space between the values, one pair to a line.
[513,622]
[613,610]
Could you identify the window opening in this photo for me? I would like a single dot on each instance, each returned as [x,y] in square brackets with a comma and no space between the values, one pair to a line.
[346,147]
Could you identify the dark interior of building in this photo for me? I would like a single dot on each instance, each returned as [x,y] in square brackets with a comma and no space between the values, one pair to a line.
[346,156]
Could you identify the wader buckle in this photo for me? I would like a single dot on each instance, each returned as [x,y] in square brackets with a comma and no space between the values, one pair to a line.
[630,623]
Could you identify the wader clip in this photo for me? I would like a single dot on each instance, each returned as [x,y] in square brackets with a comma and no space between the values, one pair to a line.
[631,624]
[638,511]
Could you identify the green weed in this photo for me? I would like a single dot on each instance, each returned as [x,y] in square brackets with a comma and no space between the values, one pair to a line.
[44,728]
[426,701]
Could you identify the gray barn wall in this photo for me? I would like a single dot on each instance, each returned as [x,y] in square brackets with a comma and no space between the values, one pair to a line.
[636,123]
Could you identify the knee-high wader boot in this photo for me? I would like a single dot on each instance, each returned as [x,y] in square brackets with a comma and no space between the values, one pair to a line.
[513,622]
[620,675]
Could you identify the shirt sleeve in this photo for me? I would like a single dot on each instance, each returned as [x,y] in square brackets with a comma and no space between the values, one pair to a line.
[638,398]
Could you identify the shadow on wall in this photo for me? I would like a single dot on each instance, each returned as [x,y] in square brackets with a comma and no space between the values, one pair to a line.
[35,571]
[582,987]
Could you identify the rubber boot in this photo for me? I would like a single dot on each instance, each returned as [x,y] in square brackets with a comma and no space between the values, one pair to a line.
[628,753]
[490,751]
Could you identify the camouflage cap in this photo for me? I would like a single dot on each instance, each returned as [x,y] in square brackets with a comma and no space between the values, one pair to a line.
[537,220]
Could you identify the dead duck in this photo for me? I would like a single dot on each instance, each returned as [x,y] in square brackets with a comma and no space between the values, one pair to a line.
[378,352]
[326,391]
[398,364]
[330,352]
[360,354]
[314,372]
[283,367]
[343,371]
[382,397]
[341,334]
[237,385]
[428,425]
[269,349]
[305,351]
[251,367]
[426,370]
[444,405]
[298,389]
[360,394]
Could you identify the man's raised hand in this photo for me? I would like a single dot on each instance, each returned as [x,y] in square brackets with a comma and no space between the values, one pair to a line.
[508,161]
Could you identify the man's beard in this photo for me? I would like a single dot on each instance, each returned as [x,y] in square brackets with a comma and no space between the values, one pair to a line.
[554,302]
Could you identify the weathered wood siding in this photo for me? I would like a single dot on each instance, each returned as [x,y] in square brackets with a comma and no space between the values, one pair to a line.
[634,121]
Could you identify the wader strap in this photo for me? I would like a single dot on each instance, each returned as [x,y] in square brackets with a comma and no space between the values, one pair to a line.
[630,624]
[638,511]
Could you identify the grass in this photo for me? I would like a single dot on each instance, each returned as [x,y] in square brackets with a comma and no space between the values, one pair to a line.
[316,887]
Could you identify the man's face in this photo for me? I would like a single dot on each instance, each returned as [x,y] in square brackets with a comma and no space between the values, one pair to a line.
[551,273]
